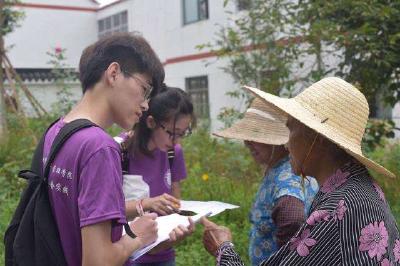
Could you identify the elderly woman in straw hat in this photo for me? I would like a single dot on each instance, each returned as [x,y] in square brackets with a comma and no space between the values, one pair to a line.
[350,222]
[283,198]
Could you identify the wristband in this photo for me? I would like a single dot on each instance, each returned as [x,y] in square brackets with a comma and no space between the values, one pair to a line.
[139,207]
[129,231]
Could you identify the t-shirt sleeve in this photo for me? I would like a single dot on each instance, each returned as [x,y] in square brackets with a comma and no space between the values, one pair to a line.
[178,170]
[100,196]
[287,184]
[316,242]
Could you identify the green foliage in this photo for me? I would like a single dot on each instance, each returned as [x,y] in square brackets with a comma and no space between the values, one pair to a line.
[389,156]
[368,33]
[63,76]
[16,152]
[281,46]
[224,171]
[9,17]
[376,133]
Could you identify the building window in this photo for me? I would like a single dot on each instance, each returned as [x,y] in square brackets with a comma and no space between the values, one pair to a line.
[194,10]
[243,4]
[114,23]
[197,88]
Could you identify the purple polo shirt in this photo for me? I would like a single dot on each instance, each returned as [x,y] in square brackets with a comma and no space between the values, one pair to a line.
[158,175]
[85,186]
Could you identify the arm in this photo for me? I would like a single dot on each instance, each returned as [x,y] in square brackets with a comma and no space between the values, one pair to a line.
[163,205]
[217,240]
[176,189]
[130,208]
[97,248]
[288,216]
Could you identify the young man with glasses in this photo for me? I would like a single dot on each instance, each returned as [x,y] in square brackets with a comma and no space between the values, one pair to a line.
[85,183]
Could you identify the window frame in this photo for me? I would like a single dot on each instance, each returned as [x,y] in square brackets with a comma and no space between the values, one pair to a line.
[121,27]
[205,114]
[198,12]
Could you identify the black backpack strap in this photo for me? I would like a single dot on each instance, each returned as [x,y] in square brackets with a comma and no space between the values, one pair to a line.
[66,131]
[171,156]
[36,164]
[124,159]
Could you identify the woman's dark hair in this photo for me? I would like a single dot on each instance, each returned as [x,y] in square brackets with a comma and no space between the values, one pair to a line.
[169,104]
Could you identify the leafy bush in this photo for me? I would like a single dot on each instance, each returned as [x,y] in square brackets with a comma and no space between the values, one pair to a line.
[224,171]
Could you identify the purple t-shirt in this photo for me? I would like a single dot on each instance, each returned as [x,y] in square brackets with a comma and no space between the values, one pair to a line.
[85,186]
[158,175]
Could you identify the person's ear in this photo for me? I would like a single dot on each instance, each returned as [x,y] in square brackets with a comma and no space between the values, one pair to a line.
[151,122]
[112,72]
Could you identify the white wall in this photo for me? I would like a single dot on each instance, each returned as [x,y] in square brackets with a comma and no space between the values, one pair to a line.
[46,94]
[44,29]
[74,3]
[161,23]
[218,84]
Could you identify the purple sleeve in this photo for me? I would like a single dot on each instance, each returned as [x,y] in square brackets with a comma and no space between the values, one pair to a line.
[100,188]
[178,171]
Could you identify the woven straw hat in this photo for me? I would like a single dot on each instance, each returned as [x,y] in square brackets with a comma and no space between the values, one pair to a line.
[261,123]
[333,108]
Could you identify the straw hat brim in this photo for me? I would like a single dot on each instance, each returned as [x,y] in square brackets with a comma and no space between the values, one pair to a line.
[297,111]
[241,131]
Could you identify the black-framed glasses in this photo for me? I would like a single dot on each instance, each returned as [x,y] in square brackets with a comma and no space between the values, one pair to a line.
[174,136]
[147,88]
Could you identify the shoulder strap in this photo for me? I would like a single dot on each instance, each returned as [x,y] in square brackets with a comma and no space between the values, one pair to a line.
[36,164]
[171,156]
[124,160]
[68,130]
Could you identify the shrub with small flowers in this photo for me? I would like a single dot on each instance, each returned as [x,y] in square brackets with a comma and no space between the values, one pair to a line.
[63,77]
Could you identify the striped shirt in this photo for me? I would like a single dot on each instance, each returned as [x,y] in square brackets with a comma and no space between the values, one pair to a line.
[350,223]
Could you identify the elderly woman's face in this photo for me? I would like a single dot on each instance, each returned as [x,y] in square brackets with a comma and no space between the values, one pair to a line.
[298,145]
[260,152]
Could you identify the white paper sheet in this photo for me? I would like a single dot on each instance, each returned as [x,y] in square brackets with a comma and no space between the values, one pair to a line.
[167,223]
[203,207]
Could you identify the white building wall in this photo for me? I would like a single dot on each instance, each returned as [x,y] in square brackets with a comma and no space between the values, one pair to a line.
[218,84]
[43,29]
[72,3]
[161,23]
[46,94]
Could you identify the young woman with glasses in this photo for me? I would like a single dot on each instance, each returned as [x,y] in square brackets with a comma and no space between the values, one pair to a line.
[157,136]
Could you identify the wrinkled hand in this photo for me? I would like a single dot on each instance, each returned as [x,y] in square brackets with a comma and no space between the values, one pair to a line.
[214,235]
[163,205]
[181,232]
[145,228]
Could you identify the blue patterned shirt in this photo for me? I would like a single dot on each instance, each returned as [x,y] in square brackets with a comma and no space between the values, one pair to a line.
[280,181]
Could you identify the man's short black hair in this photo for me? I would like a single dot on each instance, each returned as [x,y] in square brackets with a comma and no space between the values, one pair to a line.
[131,51]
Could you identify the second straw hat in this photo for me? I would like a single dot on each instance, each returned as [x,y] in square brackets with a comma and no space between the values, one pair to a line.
[335,109]
[261,124]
